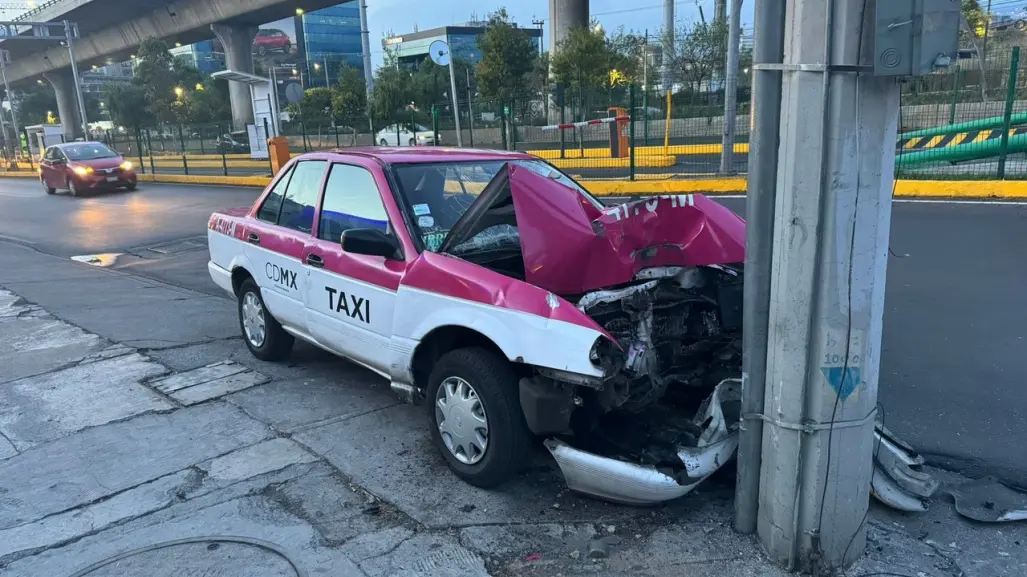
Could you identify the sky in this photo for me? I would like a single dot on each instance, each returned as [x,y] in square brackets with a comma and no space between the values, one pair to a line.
[401,16]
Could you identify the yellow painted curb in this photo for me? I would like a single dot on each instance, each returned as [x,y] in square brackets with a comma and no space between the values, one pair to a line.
[641,151]
[961,189]
[627,188]
[171,163]
[258,181]
[19,174]
[640,162]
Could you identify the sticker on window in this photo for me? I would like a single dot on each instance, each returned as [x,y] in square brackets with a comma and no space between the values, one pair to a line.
[421,209]
[433,241]
[425,221]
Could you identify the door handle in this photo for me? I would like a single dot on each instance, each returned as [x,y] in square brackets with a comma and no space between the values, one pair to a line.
[315,260]
[253,239]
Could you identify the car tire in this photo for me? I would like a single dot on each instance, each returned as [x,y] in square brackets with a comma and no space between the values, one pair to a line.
[383,142]
[276,344]
[411,142]
[49,189]
[131,187]
[494,385]
[72,189]
[261,50]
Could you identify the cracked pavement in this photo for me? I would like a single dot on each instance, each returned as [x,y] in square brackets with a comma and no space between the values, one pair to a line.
[138,436]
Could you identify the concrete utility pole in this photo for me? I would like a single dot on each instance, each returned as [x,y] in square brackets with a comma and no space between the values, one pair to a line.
[830,250]
[668,45]
[734,38]
[719,10]
[764,137]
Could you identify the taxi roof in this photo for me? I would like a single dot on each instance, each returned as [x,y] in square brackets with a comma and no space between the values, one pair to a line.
[409,155]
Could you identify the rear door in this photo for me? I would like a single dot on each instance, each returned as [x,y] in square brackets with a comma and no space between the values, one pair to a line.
[275,241]
[351,297]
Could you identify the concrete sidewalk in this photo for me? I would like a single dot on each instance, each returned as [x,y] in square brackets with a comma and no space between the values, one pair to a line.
[138,436]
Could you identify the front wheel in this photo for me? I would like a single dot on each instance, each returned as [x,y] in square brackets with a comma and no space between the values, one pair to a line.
[131,187]
[72,187]
[411,142]
[476,417]
[265,338]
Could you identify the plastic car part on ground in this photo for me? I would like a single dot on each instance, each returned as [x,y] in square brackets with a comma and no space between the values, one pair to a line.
[898,480]
[625,482]
[989,501]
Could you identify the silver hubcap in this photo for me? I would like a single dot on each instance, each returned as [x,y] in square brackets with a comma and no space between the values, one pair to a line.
[463,424]
[253,320]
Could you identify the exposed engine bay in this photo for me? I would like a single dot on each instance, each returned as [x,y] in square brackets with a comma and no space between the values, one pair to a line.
[668,406]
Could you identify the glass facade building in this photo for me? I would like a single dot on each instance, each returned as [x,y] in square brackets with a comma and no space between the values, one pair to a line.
[410,50]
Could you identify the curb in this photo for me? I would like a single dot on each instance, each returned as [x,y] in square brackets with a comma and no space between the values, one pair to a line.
[976,189]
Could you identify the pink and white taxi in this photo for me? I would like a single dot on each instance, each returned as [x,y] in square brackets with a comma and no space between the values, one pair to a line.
[498,291]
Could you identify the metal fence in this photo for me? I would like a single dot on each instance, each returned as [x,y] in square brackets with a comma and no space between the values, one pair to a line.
[969,122]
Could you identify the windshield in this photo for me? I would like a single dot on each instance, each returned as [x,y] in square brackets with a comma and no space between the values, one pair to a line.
[439,194]
[88,151]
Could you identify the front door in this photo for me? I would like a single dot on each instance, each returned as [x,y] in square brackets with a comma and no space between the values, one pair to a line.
[351,297]
[47,168]
[275,245]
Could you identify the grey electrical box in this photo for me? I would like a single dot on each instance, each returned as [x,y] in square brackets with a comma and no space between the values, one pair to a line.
[915,37]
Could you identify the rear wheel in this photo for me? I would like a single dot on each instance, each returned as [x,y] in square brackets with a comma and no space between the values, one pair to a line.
[383,142]
[131,187]
[476,416]
[265,338]
[411,142]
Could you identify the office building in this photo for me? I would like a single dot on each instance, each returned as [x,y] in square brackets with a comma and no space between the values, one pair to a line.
[410,50]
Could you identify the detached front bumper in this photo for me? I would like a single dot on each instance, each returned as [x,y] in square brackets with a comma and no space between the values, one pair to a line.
[625,482]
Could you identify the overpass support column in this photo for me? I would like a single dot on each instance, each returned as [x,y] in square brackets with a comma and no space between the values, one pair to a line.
[67,103]
[238,45]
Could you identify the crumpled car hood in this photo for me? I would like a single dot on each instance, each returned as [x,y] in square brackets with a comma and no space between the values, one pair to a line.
[570,246]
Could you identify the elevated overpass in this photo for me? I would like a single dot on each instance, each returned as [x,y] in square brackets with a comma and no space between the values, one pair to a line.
[111,31]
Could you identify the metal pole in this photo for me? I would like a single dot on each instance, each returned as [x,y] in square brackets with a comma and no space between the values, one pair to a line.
[734,36]
[764,136]
[328,83]
[830,247]
[456,109]
[1010,98]
[955,97]
[987,30]
[631,130]
[365,46]
[645,88]
[668,45]
[470,110]
[69,30]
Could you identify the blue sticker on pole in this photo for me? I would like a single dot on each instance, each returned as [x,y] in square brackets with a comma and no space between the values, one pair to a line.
[843,380]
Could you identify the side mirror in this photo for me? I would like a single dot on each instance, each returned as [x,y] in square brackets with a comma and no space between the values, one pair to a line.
[370,241]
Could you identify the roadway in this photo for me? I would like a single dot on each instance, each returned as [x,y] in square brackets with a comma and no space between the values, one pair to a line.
[953,352]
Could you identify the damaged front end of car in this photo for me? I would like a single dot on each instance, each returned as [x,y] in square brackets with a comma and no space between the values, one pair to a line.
[631,436]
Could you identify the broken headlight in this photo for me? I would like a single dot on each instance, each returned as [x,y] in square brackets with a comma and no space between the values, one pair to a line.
[607,355]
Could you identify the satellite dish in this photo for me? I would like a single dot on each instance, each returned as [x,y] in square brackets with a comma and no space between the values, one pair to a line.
[439,52]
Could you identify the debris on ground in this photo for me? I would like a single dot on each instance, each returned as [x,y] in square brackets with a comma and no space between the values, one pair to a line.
[898,479]
[989,501]
[600,548]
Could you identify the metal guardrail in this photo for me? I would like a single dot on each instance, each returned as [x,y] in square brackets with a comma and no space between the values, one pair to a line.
[39,8]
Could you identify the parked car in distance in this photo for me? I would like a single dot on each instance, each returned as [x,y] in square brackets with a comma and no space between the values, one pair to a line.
[232,144]
[82,167]
[498,291]
[406,135]
[271,40]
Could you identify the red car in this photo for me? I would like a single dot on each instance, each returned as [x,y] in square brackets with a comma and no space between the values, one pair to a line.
[81,167]
[271,40]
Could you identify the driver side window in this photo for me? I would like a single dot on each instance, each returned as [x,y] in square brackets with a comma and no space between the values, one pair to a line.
[351,200]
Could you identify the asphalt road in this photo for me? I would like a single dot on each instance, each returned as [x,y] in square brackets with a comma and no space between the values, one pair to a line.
[954,343]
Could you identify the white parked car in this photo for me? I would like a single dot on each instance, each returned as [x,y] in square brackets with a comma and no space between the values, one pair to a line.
[406,135]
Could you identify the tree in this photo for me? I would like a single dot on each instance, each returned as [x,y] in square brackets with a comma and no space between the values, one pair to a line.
[35,103]
[429,84]
[392,92]
[590,62]
[975,16]
[209,104]
[315,108]
[507,58]
[127,105]
[699,53]
[154,74]
[349,95]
